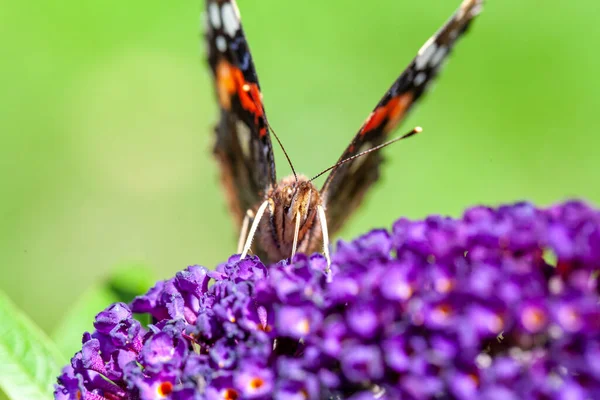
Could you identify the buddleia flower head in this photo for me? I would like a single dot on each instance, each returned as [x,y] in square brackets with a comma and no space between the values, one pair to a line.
[499,304]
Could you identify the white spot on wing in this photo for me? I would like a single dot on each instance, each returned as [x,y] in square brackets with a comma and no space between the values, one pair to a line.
[213,14]
[439,55]
[425,54]
[244,137]
[221,43]
[420,78]
[236,10]
[231,22]
[476,10]
[426,45]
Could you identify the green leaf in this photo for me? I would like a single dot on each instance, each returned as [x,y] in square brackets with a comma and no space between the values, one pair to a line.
[29,361]
[127,282]
[130,281]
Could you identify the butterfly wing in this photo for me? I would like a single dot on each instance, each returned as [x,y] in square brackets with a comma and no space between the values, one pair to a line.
[346,186]
[243,145]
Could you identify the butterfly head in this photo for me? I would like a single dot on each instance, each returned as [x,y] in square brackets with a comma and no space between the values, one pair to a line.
[293,206]
[299,198]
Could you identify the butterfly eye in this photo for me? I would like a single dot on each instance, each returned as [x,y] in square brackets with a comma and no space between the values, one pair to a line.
[290,194]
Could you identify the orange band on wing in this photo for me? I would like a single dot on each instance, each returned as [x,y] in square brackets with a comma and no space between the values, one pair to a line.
[230,81]
[250,98]
[390,113]
[398,110]
[226,85]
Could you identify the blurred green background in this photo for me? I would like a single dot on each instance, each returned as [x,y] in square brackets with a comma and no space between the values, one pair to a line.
[107,109]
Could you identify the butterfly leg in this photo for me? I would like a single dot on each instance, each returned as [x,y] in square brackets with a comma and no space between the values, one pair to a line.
[296,232]
[253,228]
[325,234]
[244,231]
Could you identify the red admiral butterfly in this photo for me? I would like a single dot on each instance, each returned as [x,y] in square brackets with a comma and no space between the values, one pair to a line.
[299,217]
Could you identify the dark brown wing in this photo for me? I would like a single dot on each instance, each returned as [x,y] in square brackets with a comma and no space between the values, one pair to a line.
[345,186]
[243,145]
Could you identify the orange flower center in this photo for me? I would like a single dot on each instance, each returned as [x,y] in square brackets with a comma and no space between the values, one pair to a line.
[165,389]
[256,383]
[231,394]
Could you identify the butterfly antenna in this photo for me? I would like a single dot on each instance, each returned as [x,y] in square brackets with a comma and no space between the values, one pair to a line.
[282,148]
[276,138]
[415,130]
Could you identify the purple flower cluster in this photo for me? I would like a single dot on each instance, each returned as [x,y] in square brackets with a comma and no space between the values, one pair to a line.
[501,304]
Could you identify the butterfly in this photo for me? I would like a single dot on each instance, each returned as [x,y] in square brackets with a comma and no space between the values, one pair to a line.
[279,218]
